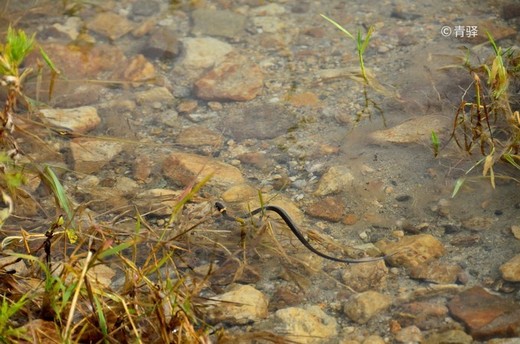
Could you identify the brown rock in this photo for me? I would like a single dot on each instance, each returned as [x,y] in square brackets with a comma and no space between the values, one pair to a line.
[304,99]
[362,277]
[516,231]
[136,70]
[477,223]
[82,62]
[409,334]
[235,79]
[142,167]
[350,219]
[239,193]
[110,25]
[199,136]
[362,307]
[451,336]
[425,315]
[79,120]
[486,315]
[90,155]
[187,106]
[162,44]
[307,325]
[240,305]
[336,179]
[184,168]
[160,202]
[330,209]
[412,250]
[437,272]
[511,269]
[510,11]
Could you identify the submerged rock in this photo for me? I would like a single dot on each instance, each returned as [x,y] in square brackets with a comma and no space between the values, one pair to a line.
[90,155]
[511,269]
[412,250]
[306,325]
[241,305]
[110,25]
[486,315]
[203,52]
[256,122]
[217,23]
[78,120]
[185,168]
[414,130]
[362,307]
[236,78]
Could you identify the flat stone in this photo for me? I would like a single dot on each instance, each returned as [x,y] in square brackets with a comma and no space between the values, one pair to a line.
[80,62]
[335,180]
[271,9]
[516,231]
[425,315]
[79,120]
[486,315]
[236,79]
[414,130]
[136,70]
[511,269]
[409,334]
[203,52]
[240,305]
[156,94]
[184,168]
[269,24]
[330,208]
[239,193]
[162,44]
[412,250]
[90,155]
[160,202]
[306,325]
[145,8]
[363,306]
[110,25]
[217,23]
[304,99]
[197,136]
[478,223]
[256,122]
[449,337]
[437,272]
[362,277]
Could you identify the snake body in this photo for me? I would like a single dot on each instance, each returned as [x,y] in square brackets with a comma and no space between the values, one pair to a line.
[289,222]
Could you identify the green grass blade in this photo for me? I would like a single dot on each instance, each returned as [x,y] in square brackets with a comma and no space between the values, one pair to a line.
[338,26]
[458,185]
[435,143]
[48,61]
[116,249]
[54,183]
[364,45]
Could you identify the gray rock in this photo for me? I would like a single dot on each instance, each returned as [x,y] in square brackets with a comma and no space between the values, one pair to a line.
[257,122]
[217,23]
[163,44]
[203,52]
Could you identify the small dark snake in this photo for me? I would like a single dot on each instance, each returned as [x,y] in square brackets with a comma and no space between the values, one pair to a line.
[288,221]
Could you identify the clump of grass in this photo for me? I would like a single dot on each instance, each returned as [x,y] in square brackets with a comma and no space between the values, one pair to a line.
[487,122]
[366,79]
